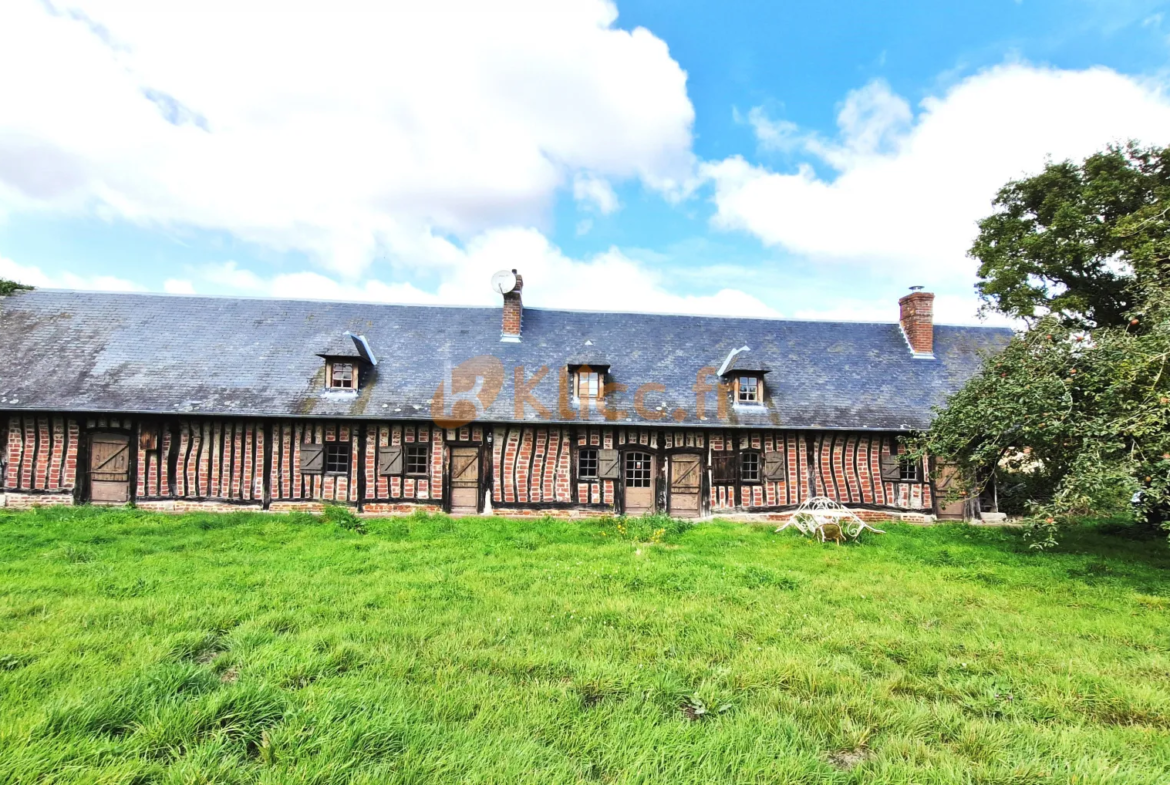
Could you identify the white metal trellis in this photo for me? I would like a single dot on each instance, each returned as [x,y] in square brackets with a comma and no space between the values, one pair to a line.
[811,517]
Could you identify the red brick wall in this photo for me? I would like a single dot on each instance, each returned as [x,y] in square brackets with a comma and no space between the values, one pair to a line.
[287,481]
[845,467]
[380,488]
[41,454]
[216,459]
[532,465]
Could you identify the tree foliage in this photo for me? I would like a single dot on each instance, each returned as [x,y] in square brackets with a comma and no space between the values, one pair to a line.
[8,287]
[1077,240]
[1077,407]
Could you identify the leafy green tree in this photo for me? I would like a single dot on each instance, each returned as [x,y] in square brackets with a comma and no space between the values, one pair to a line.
[1077,407]
[1084,416]
[8,287]
[1078,240]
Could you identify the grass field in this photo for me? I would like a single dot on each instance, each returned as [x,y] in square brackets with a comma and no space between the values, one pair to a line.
[279,649]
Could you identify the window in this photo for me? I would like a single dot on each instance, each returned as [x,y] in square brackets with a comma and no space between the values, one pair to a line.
[749,389]
[342,376]
[417,459]
[723,468]
[749,467]
[637,470]
[337,458]
[587,464]
[588,384]
[909,471]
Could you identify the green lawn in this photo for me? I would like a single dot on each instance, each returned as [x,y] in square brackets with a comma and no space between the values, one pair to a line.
[262,648]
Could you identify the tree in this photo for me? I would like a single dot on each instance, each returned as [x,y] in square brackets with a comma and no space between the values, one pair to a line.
[1083,417]
[8,287]
[1078,240]
[1077,406]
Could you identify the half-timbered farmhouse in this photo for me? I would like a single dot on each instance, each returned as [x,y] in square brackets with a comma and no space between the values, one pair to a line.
[179,403]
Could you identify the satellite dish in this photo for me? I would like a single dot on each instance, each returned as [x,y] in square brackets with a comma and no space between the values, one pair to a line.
[503,282]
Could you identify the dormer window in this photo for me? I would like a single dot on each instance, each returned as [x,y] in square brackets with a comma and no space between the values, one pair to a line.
[748,389]
[587,377]
[588,384]
[349,362]
[743,374]
[341,376]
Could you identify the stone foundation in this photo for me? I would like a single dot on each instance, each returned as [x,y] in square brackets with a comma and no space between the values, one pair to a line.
[24,501]
[181,506]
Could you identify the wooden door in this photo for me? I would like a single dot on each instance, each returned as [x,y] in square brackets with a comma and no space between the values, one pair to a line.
[465,480]
[945,484]
[638,478]
[109,468]
[685,485]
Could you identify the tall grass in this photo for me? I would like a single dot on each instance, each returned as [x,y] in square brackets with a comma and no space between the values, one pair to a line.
[271,649]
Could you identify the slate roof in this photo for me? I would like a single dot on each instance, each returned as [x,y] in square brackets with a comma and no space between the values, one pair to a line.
[141,353]
[340,345]
[747,362]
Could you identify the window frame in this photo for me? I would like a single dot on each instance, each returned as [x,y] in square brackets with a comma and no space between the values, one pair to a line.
[599,391]
[333,378]
[592,453]
[332,451]
[644,475]
[755,457]
[914,467]
[408,459]
[757,385]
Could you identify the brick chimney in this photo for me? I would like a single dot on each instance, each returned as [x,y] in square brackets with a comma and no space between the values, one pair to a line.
[513,312]
[918,321]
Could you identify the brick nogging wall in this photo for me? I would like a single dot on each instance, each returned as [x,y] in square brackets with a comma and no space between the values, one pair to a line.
[531,466]
[287,482]
[534,467]
[40,454]
[843,466]
[381,488]
[212,459]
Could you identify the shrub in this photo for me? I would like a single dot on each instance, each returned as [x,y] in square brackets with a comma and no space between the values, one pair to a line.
[343,517]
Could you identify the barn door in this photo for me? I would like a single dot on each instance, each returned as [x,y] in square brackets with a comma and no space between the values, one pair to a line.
[109,468]
[465,480]
[684,485]
[638,477]
[947,481]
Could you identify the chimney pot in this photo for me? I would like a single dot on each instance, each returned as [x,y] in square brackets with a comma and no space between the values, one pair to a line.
[513,312]
[917,321]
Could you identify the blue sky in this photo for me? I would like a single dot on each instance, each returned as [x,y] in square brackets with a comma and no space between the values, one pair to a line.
[806,160]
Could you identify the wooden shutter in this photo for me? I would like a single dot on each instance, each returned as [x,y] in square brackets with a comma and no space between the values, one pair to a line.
[607,464]
[723,468]
[312,458]
[390,460]
[773,466]
[891,468]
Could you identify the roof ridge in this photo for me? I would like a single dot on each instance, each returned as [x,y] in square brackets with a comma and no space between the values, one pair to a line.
[261,298]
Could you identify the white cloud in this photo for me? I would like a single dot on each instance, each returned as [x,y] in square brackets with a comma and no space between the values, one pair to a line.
[177,286]
[772,134]
[34,276]
[595,193]
[606,281]
[909,190]
[350,133]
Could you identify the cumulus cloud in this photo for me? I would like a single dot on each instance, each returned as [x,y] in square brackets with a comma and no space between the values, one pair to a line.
[605,281]
[178,286]
[595,193]
[34,276]
[905,191]
[349,131]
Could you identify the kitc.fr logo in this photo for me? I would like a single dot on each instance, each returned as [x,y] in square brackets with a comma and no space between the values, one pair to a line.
[467,391]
